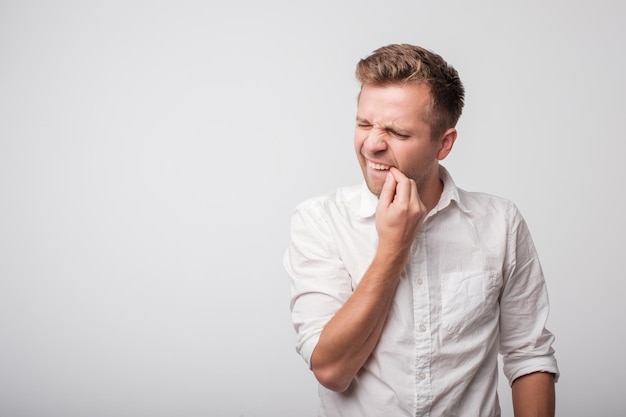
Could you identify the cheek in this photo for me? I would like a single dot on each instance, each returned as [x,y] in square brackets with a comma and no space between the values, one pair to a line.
[359,139]
[404,154]
[413,158]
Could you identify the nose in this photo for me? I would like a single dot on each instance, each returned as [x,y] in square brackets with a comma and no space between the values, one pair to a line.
[376,141]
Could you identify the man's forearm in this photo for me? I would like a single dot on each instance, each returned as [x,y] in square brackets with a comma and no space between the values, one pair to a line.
[351,335]
[533,395]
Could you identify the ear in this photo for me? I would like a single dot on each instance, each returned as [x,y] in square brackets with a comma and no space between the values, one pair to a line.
[447,141]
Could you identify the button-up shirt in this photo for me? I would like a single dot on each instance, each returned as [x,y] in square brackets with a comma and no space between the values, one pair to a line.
[473,287]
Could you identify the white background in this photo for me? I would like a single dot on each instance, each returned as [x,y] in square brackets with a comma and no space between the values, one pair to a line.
[151,154]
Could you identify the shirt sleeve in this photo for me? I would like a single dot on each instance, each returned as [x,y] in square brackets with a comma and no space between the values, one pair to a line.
[525,342]
[319,282]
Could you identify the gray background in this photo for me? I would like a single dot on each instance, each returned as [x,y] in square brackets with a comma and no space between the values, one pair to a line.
[151,154]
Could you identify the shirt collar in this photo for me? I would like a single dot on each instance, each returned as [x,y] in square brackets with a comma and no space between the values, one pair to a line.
[369,202]
[450,193]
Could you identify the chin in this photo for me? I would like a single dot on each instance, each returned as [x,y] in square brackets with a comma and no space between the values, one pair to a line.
[374,188]
[374,180]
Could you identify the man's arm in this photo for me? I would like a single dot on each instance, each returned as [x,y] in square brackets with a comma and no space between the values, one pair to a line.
[350,336]
[533,395]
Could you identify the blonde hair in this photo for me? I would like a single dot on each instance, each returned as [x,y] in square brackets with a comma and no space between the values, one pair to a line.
[404,63]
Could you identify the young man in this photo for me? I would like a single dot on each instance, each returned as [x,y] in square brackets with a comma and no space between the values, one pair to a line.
[406,288]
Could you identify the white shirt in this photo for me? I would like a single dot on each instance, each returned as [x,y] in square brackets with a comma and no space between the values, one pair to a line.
[473,287]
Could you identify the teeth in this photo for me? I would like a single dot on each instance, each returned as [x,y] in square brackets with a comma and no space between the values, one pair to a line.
[377,166]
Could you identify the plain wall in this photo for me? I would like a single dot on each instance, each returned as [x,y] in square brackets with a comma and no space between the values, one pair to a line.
[151,153]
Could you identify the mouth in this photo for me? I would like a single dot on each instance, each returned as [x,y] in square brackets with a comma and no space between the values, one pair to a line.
[378,167]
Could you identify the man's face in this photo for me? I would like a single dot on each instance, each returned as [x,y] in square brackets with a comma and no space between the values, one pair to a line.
[391,132]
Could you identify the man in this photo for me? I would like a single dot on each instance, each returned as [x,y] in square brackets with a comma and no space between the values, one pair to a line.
[406,288]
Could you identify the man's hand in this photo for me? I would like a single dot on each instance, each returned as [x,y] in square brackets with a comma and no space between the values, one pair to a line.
[399,214]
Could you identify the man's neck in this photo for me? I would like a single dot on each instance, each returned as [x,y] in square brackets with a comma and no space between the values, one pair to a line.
[433,190]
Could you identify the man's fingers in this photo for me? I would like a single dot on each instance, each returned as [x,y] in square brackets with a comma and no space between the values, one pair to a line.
[403,192]
[388,191]
[404,187]
[398,189]
[397,174]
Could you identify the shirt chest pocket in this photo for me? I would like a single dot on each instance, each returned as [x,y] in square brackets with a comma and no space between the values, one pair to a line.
[468,299]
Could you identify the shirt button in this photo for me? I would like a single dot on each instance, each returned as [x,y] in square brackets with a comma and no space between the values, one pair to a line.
[419,281]
[421,375]
[422,327]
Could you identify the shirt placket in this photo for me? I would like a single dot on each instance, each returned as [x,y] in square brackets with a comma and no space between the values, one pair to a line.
[422,329]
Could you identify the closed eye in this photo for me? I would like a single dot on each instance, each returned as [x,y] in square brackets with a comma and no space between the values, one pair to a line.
[398,135]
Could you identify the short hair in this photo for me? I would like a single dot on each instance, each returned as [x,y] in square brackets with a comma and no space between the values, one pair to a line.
[411,64]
